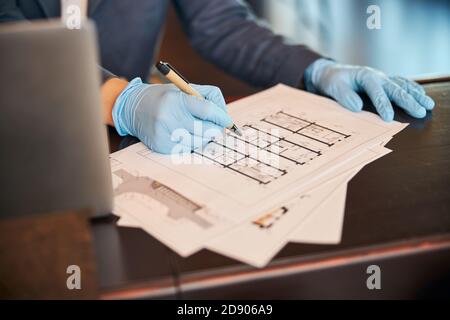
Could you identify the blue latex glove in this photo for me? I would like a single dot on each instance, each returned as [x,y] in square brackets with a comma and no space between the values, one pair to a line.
[156,113]
[343,83]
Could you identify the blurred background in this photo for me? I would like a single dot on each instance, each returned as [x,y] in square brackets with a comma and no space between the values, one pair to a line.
[414,39]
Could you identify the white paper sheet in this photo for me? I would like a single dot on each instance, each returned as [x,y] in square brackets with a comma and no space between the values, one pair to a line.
[257,246]
[316,216]
[324,225]
[187,205]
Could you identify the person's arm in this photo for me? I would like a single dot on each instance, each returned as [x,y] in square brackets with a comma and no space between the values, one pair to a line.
[9,11]
[110,91]
[226,33]
[111,85]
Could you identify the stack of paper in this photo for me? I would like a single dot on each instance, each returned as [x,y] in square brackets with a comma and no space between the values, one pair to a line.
[246,198]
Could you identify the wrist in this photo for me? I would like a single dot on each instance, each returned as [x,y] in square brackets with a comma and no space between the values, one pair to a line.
[110,91]
[124,107]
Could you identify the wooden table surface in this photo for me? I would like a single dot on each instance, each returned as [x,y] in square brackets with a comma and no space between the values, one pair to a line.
[397,208]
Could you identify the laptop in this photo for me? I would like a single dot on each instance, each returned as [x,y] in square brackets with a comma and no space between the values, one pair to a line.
[54,147]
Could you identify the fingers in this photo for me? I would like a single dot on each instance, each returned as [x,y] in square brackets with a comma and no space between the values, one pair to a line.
[404,100]
[205,129]
[416,91]
[379,99]
[169,147]
[409,83]
[180,141]
[187,142]
[207,111]
[347,97]
[212,94]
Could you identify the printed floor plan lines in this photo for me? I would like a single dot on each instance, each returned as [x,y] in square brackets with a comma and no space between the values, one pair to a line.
[179,206]
[283,143]
[301,142]
[305,128]
[241,163]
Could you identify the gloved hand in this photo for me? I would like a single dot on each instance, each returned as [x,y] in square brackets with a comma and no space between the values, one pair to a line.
[342,83]
[156,113]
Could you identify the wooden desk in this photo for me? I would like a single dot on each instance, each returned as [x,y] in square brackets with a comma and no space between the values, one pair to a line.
[36,251]
[397,216]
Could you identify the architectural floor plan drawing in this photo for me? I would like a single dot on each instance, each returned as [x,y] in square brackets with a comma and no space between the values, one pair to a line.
[179,207]
[290,138]
[292,142]
[160,209]
[293,139]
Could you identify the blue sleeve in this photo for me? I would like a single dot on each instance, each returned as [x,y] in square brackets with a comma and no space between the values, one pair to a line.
[9,11]
[226,33]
